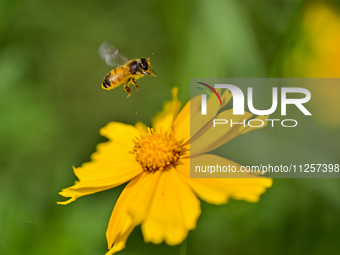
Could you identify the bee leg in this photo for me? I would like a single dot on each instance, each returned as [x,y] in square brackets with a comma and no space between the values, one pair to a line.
[134,82]
[127,87]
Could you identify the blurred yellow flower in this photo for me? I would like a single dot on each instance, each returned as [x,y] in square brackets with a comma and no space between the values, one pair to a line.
[316,54]
[160,195]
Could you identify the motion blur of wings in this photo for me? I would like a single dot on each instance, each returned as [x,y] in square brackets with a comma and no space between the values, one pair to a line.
[111,55]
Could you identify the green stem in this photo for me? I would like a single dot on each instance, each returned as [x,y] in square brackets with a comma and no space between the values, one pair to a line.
[183,248]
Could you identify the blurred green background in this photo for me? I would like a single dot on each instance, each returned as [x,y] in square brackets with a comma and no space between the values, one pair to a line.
[52,107]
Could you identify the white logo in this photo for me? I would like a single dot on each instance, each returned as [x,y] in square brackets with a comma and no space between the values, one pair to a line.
[239,101]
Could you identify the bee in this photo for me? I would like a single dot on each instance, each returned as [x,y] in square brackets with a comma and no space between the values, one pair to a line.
[126,71]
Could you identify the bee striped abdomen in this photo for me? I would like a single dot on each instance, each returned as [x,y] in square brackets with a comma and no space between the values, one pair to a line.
[106,83]
[114,78]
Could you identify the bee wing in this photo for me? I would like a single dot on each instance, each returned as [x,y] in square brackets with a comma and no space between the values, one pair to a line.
[111,55]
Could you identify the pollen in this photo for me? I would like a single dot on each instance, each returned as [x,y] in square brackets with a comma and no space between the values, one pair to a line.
[157,150]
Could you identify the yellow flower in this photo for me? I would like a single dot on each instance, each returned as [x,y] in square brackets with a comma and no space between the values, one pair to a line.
[160,195]
[316,54]
[316,51]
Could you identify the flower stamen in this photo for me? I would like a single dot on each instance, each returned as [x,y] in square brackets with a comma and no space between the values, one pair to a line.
[156,150]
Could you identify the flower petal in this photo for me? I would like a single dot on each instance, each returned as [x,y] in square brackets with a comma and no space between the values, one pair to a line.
[120,133]
[120,241]
[182,124]
[112,166]
[120,224]
[173,212]
[198,121]
[166,117]
[210,137]
[140,203]
[141,127]
[190,120]
[219,190]
[248,128]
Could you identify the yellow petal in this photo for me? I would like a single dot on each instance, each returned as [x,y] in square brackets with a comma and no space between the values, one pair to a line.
[120,241]
[173,212]
[120,224]
[210,137]
[248,128]
[166,117]
[219,190]
[189,121]
[99,180]
[111,151]
[141,127]
[140,203]
[198,121]
[120,133]
[112,166]
[182,124]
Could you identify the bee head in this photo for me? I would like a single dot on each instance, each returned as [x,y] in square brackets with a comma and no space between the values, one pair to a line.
[146,66]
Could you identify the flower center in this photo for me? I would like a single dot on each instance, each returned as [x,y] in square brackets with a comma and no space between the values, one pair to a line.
[156,150]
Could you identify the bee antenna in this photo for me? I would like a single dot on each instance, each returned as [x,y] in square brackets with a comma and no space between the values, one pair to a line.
[150,56]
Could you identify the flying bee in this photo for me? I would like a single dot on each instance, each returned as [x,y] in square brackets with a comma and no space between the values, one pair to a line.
[126,71]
